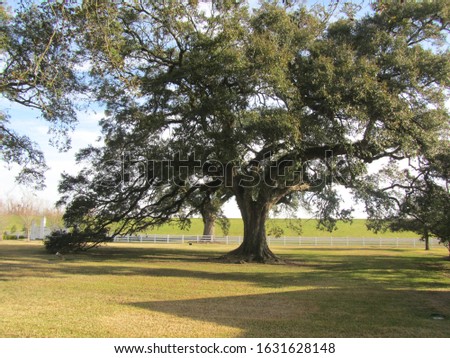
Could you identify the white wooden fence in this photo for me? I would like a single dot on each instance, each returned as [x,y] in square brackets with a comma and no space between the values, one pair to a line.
[40,232]
[279,241]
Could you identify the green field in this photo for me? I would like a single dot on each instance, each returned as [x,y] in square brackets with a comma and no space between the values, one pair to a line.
[357,228]
[309,228]
[124,290]
[8,221]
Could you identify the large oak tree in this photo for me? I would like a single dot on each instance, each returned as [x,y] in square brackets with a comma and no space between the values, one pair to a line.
[270,102]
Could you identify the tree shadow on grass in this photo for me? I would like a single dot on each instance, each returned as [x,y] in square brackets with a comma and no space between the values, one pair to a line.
[313,313]
[336,270]
[131,254]
[385,272]
[367,296]
[374,272]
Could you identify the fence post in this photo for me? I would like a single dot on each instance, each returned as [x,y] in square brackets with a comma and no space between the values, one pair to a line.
[128,237]
[315,241]
[284,240]
[380,241]
[364,242]
[348,241]
[299,241]
[197,239]
[397,242]
[331,241]
[414,241]
[154,238]
[182,239]
[140,237]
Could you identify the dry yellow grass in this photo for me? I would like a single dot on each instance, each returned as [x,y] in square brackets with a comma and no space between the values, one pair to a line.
[175,291]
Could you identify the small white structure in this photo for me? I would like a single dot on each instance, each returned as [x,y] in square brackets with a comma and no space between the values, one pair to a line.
[39,232]
[42,228]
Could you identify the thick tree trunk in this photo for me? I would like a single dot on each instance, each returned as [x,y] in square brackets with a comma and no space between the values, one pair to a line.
[254,247]
[427,240]
[209,224]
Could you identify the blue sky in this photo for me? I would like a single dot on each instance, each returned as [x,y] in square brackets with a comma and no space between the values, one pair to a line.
[28,122]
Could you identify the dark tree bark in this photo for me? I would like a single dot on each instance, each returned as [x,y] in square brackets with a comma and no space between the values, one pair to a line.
[209,212]
[426,238]
[209,224]
[254,247]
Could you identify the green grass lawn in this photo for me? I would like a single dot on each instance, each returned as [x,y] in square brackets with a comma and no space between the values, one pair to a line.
[357,228]
[142,290]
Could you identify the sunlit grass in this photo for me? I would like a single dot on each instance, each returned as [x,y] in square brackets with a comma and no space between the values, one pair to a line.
[125,290]
[357,228]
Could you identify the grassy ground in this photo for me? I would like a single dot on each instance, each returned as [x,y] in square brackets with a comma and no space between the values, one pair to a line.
[355,229]
[137,290]
[309,229]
